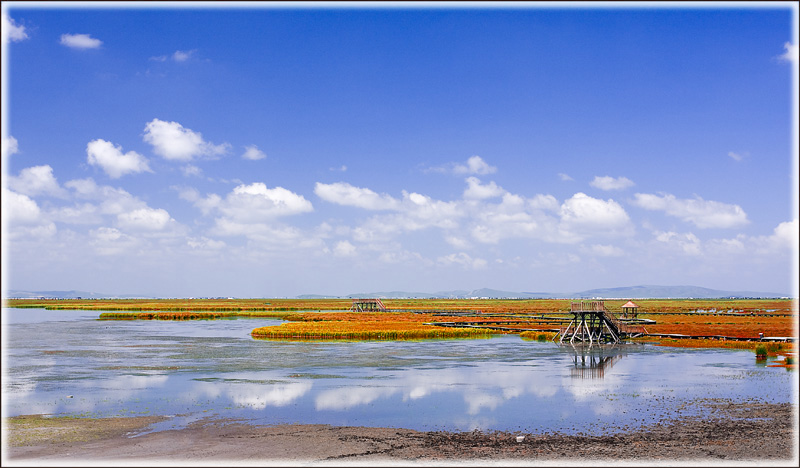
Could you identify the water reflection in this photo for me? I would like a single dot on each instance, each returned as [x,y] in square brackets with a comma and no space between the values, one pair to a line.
[591,362]
[504,383]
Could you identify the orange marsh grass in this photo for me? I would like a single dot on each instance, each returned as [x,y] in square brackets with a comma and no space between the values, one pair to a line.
[351,330]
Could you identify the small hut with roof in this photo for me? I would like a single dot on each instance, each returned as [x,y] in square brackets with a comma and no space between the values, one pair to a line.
[629,310]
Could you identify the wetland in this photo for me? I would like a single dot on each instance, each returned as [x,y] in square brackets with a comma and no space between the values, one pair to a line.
[157,379]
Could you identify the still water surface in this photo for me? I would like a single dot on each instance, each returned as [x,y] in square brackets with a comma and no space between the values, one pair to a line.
[70,363]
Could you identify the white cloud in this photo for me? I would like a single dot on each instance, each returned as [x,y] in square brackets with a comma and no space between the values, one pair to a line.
[182,56]
[112,201]
[341,168]
[24,217]
[190,170]
[10,146]
[543,202]
[204,243]
[610,183]
[783,238]
[564,177]
[11,30]
[19,208]
[790,52]
[110,241]
[703,214]
[177,56]
[476,191]
[251,210]
[256,202]
[343,193]
[113,161]
[253,153]
[475,165]
[37,180]
[174,142]
[688,243]
[80,41]
[144,219]
[344,249]
[584,213]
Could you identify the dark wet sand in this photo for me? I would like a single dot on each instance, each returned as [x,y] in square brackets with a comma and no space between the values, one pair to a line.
[765,434]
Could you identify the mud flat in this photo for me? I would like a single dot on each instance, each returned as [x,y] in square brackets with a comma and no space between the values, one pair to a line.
[726,432]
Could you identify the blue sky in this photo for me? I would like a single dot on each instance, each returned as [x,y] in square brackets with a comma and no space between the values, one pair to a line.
[270,152]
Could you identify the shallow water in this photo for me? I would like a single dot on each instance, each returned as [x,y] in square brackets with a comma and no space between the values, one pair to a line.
[70,363]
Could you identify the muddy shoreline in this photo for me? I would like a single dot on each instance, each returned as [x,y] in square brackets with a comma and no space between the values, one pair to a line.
[754,432]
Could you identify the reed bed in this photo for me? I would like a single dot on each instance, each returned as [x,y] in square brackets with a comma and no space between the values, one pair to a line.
[352,330]
[163,315]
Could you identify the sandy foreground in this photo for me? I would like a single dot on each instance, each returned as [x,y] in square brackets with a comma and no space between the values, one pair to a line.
[727,434]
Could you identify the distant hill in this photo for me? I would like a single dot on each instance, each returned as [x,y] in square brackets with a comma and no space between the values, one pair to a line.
[628,292]
[17,294]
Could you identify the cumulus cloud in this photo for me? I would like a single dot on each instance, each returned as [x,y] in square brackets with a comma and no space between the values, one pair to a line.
[702,213]
[475,165]
[10,146]
[113,161]
[24,217]
[344,249]
[37,180]
[183,55]
[476,191]
[19,208]
[790,52]
[783,238]
[80,41]
[253,153]
[12,32]
[110,201]
[342,193]
[584,213]
[610,183]
[173,142]
[252,210]
[144,219]
[688,242]
[204,243]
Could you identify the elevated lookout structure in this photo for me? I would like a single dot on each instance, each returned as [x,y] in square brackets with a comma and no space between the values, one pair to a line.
[367,305]
[593,323]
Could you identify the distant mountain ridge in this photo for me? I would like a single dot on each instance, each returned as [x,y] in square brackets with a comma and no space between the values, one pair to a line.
[627,292]
[17,294]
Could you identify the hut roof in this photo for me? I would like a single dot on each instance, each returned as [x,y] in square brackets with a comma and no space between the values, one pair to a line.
[630,304]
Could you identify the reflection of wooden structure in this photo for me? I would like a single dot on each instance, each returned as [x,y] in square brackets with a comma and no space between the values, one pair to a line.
[592,366]
[593,323]
[367,305]
[629,310]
